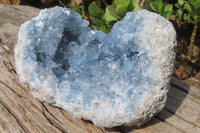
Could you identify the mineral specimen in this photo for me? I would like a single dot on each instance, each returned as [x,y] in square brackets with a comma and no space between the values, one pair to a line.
[119,78]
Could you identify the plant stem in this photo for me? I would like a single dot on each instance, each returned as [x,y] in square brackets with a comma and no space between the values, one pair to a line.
[141,4]
[61,3]
[192,40]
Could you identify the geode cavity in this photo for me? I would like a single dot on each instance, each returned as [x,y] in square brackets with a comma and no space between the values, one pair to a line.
[119,78]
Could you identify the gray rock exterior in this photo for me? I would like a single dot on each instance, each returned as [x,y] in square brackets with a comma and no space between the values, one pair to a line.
[119,78]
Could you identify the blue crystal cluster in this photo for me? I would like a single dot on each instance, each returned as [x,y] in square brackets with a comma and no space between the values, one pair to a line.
[96,65]
[87,72]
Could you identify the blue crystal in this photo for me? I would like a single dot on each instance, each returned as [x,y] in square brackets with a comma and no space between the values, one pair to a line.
[97,76]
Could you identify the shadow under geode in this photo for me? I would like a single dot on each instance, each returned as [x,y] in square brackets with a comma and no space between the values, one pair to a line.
[176,96]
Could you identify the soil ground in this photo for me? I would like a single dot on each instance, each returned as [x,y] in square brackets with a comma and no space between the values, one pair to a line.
[187,70]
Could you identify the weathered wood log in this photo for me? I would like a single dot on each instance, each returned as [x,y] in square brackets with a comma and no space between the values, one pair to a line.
[20,112]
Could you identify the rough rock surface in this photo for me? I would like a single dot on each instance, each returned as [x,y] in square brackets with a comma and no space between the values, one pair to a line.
[120,78]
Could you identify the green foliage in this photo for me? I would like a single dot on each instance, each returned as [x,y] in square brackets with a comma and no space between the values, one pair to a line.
[96,15]
[76,8]
[80,10]
[162,8]
[95,11]
[180,9]
[187,17]
[117,11]
[189,11]
[193,9]
[123,6]
[110,15]
[104,18]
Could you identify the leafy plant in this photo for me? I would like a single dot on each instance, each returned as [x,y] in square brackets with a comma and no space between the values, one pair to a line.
[123,6]
[180,8]
[162,8]
[193,8]
[104,19]
[192,16]
[78,8]
[96,15]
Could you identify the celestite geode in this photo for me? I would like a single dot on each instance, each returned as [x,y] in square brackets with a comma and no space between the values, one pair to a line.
[119,78]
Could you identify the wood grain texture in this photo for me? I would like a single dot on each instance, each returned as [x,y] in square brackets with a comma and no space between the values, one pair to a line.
[20,112]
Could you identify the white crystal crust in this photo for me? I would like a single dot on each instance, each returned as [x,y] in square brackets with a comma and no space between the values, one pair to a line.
[119,78]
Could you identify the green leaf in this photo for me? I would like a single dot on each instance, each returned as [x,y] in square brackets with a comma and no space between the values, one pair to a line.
[120,10]
[187,7]
[130,5]
[95,11]
[187,18]
[100,27]
[177,5]
[83,11]
[121,1]
[179,13]
[195,2]
[167,11]
[134,4]
[180,2]
[79,9]
[193,8]
[76,9]
[181,7]
[126,3]
[110,14]
[168,8]
[115,3]
[156,5]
